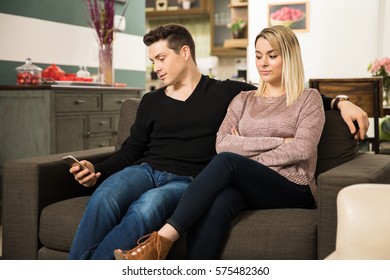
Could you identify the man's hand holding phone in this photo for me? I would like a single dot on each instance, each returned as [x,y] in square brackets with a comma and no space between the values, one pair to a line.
[83,171]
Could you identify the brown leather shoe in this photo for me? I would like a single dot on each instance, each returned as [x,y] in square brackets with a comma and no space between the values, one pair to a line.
[155,247]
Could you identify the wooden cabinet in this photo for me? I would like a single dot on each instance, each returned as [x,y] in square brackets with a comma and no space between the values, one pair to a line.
[46,120]
[222,42]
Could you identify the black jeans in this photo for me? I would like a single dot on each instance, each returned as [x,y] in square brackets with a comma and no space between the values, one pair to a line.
[229,184]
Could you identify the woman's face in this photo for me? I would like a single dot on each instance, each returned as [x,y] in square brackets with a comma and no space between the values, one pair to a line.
[269,63]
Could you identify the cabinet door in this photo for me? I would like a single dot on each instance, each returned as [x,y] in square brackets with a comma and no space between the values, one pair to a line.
[71,132]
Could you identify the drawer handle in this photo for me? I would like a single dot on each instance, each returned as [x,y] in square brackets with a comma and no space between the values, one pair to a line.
[102,145]
[121,101]
[102,123]
[80,101]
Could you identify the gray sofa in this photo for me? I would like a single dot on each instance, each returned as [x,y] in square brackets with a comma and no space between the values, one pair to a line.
[42,203]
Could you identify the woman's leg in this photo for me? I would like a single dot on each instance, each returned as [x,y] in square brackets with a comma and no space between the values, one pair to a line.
[207,238]
[260,186]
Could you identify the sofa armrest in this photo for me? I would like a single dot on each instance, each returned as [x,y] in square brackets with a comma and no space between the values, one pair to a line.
[366,168]
[31,184]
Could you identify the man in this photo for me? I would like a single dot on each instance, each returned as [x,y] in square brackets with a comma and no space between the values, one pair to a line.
[172,140]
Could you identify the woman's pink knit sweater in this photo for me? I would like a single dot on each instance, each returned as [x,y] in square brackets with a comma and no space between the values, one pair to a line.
[264,122]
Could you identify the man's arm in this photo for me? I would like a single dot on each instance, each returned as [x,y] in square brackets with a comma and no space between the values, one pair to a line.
[350,113]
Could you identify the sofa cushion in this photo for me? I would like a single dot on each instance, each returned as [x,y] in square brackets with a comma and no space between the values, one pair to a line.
[273,234]
[337,144]
[59,222]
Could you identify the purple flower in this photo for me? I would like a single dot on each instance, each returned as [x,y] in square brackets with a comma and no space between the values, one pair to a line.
[102,19]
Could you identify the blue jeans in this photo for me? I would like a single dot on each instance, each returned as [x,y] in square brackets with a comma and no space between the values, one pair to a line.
[129,204]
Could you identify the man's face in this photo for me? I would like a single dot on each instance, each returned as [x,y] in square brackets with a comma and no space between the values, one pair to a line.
[167,64]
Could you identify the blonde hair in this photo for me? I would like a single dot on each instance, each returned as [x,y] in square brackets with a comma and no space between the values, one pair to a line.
[284,41]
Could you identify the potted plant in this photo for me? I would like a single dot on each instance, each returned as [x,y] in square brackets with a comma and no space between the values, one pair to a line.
[237,26]
[381,68]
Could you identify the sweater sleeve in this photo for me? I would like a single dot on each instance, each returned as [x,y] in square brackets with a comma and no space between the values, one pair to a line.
[132,148]
[243,145]
[308,132]
[327,101]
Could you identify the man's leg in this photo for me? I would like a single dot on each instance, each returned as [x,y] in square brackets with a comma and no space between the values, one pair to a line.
[148,213]
[208,236]
[107,205]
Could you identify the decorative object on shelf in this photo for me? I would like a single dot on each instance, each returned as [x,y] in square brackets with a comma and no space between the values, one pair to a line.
[381,68]
[161,5]
[102,20]
[237,26]
[186,4]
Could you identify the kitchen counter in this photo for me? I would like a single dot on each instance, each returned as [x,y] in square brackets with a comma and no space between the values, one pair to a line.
[75,86]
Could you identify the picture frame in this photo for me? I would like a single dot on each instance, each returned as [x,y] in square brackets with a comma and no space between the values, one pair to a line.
[291,14]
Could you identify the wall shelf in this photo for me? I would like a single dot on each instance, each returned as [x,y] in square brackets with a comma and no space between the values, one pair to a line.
[221,42]
[175,11]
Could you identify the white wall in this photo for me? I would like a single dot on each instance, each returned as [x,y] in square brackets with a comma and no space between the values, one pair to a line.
[67,44]
[344,36]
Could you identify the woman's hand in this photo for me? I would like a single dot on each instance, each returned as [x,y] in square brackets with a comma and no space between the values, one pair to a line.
[234,131]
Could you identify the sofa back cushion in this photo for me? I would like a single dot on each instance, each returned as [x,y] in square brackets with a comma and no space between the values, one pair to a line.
[126,119]
[337,144]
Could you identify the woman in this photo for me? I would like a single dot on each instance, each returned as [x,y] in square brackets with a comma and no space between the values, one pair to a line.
[267,145]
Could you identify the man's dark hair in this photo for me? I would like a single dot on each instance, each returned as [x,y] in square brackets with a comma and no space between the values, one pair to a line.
[176,35]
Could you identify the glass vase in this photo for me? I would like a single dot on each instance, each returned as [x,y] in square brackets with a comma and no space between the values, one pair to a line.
[386,97]
[106,69]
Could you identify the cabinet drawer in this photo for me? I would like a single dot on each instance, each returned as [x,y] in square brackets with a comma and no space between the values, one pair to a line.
[77,102]
[100,142]
[101,123]
[113,102]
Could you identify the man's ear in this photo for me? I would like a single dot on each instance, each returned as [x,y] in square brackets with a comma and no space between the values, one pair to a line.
[186,52]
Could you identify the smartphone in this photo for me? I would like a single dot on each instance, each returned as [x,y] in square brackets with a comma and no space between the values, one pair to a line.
[72,160]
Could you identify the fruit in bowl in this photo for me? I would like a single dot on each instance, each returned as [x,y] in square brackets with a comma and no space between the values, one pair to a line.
[53,72]
[287,16]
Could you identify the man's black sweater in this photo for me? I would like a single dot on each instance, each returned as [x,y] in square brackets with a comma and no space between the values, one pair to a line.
[176,136]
